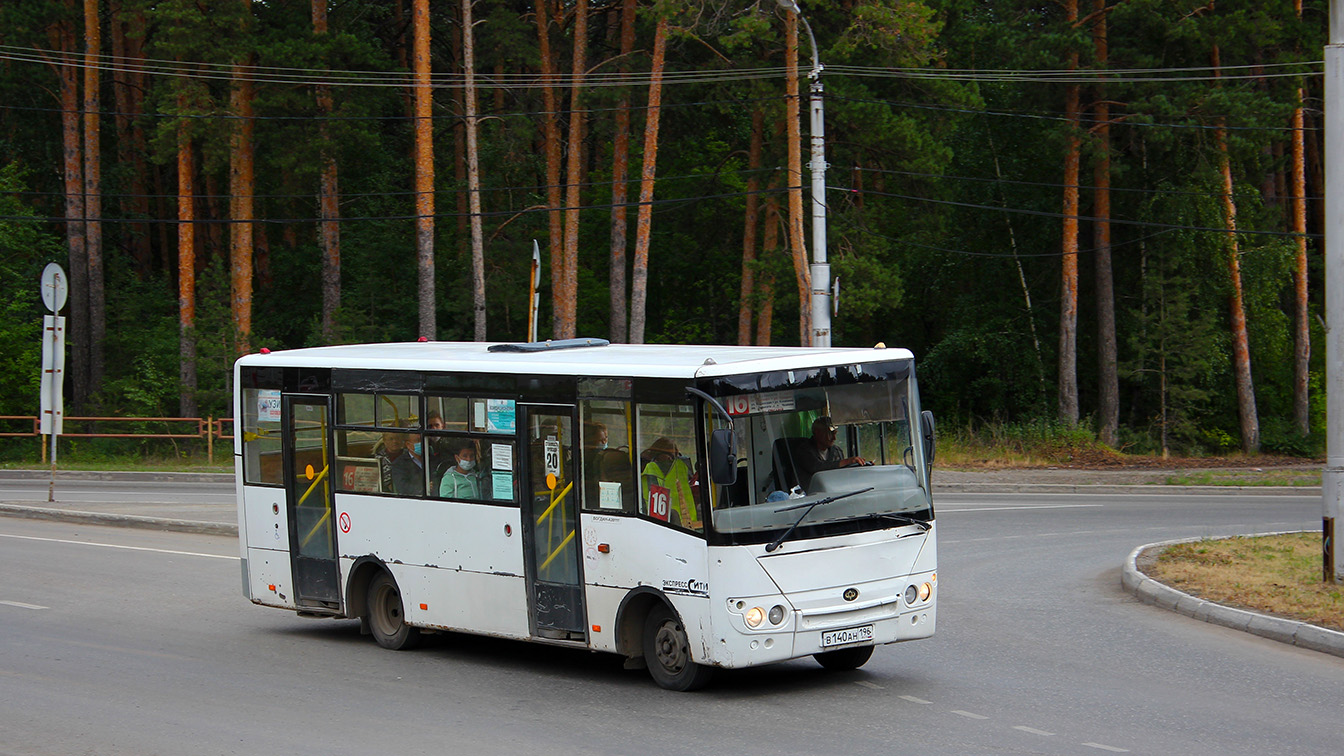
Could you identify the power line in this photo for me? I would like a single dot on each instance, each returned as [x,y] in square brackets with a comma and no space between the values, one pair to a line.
[1113,221]
[529,80]
[1173,192]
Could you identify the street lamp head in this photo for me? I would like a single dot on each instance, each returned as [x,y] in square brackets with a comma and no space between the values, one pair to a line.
[789,5]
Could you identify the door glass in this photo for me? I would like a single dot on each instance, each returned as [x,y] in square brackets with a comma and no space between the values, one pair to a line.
[312,482]
[554,500]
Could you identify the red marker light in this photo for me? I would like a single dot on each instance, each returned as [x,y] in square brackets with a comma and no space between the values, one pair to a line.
[604,548]
[264,350]
[422,339]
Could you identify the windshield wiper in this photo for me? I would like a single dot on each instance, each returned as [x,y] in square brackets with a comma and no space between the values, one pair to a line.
[809,506]
[922,524]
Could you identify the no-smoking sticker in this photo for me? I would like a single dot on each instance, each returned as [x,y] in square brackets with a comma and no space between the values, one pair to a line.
[344,520]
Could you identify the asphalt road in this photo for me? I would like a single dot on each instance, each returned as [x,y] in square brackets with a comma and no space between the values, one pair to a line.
[119,641]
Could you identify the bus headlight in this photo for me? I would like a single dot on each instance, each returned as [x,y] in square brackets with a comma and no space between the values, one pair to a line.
[911,595]
[776,614]
[925,590]
[754,617]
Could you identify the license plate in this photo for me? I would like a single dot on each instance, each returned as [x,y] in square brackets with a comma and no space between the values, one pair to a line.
[861,634]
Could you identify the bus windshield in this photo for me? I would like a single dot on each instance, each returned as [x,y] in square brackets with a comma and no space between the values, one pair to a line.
[852,443]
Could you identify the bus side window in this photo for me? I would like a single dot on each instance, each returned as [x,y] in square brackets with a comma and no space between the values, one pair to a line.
[669,468]
[261,437]
[608,470]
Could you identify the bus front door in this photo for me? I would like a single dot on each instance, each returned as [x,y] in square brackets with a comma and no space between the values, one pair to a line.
[551,523]
[308,491]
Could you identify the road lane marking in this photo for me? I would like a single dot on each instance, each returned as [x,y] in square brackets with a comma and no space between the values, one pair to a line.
[1102,747]
[1031,730]
[968,714]
[120,546]
[943,509]
[912,699]
[867,684]
[22,605]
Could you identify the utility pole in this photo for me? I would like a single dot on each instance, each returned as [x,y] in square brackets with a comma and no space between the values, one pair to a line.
[821,270]
[1333,476]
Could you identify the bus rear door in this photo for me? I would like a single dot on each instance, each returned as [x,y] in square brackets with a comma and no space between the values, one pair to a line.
[308,493]
[551,523]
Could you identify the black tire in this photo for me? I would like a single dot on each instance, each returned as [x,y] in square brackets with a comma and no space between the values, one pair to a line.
[386,618]
[667,652]
[844,659]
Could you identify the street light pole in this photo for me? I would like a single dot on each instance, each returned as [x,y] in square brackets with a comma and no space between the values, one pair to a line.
[821,270]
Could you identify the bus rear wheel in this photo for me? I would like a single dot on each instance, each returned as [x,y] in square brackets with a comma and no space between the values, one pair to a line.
[844,659]
[667,652]
[387,619]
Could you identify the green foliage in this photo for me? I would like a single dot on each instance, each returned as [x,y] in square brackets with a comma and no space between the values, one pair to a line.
[25,249]
[944,192]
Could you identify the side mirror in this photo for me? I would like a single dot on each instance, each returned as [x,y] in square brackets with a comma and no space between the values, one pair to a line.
[723,456]
[926,427]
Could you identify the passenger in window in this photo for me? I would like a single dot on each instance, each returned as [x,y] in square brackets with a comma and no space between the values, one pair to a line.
[666,469]
[463,480]
[822,453]
[408,469]
[388,451]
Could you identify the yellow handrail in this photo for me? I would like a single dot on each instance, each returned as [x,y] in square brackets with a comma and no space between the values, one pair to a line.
[557,551]
[556,501]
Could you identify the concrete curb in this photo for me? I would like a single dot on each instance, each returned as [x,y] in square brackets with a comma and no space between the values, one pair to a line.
[166,477]
[119,520]
[1154,489]
[1288,631]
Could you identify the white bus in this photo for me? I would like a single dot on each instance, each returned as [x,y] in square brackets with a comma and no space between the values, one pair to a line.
[687,507]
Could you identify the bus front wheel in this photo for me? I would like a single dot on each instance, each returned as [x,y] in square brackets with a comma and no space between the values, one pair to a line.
[845,658]
[387,619]
[667,651]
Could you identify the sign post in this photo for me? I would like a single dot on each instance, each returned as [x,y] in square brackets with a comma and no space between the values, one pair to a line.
[54,294]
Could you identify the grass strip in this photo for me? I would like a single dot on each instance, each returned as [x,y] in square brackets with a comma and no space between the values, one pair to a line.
[1278,575]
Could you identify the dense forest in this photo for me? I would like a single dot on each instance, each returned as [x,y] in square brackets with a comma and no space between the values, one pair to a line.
[1094,213]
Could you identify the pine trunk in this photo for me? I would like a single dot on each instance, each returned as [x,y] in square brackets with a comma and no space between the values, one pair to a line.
[568,292]
[424,169]
[1108,390]
[1068,299]
[765,319]
[473,173]
[130,151]
[93,204]
[186,265]
[802,273]
[551,130]
[620,167]
[1302,329]
[1241,351]
[749,223]
[643,226]
[242,186]
[328,200]
[63,39]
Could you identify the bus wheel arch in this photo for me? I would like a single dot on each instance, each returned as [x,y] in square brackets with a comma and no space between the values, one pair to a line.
[357,586]
[650,628]
[382,612]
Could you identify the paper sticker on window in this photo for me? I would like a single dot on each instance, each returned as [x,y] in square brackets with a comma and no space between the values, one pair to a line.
[268,406]
[659,502]
[608,494]
[501,456]
[501,485]
[499,416]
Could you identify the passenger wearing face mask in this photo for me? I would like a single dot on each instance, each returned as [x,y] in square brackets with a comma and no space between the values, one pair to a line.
[463,480]
[408,469]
